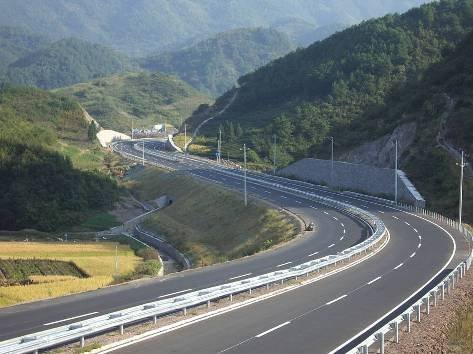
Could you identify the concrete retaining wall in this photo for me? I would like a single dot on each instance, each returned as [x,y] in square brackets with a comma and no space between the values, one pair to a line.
[355,177]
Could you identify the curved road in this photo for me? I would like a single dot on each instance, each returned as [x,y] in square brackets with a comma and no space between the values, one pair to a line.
[317,318]
[324,316]
[331,235]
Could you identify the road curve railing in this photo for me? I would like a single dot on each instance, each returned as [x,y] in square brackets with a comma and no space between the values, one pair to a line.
[418,304]
[78,331]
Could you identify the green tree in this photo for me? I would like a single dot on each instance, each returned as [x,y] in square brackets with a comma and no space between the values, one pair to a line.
[92,131]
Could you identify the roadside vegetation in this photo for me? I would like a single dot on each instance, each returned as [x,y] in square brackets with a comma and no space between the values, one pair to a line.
[194,221]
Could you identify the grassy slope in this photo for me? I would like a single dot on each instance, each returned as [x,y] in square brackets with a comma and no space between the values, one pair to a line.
[147,98]
[95,259]
[200,211]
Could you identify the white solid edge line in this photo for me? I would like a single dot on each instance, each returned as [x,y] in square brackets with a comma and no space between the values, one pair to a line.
[272,329]
[169,328]
[398,266]
[335,300]
[413,294]
[240,276]
[70,318]
[283,264]
[373,281]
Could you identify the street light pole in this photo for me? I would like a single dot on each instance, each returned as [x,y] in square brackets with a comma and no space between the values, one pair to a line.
[331,168]
[274,154]
[219,157]
[143,161]
[185,137]
[460,207]
[244,159]
[395,174]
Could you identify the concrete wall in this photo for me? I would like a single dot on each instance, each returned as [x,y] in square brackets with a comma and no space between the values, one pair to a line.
[355,177]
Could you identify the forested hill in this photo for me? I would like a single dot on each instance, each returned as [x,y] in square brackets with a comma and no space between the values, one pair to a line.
[64,63]
[350,86]
[39,188]
[313,92]
[17,42]
[214,65]
[141,27]
[147,98]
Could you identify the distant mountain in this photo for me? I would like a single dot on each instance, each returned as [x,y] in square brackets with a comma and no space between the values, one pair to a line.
[66,62]
[39,187]
[17,42]
[141,27]
[148,99]
[214,65]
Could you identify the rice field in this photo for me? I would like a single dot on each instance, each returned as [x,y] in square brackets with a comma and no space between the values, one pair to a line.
[97,260]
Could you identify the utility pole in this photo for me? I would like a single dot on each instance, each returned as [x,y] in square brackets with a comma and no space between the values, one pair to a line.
[460,207]
[274,154]
[244,159]
[143,161]
[219,158]
[395,174]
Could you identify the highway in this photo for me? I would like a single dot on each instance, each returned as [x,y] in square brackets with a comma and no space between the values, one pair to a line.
[316,318]
[323,316]
[331,235]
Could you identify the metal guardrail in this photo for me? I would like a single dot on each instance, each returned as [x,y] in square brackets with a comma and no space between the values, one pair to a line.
[392,327]
[82,329]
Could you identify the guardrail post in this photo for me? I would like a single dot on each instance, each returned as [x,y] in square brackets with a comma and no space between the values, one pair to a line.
[407,317]
[184,311]
[249,291]
[396,332]
[267,286]
[231,297]
[155,319]
[428,304]
[208,303]
[121,329]
[443,291]
[453,281]
[82,342]
[381,342]
[435,298]
[418,312]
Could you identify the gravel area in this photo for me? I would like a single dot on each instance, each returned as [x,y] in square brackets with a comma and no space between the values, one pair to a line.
[431,335]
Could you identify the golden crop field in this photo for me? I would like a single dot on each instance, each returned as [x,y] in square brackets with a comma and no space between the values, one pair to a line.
[96,259]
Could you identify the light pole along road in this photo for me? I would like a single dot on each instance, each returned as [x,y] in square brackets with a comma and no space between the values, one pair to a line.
[316,318]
